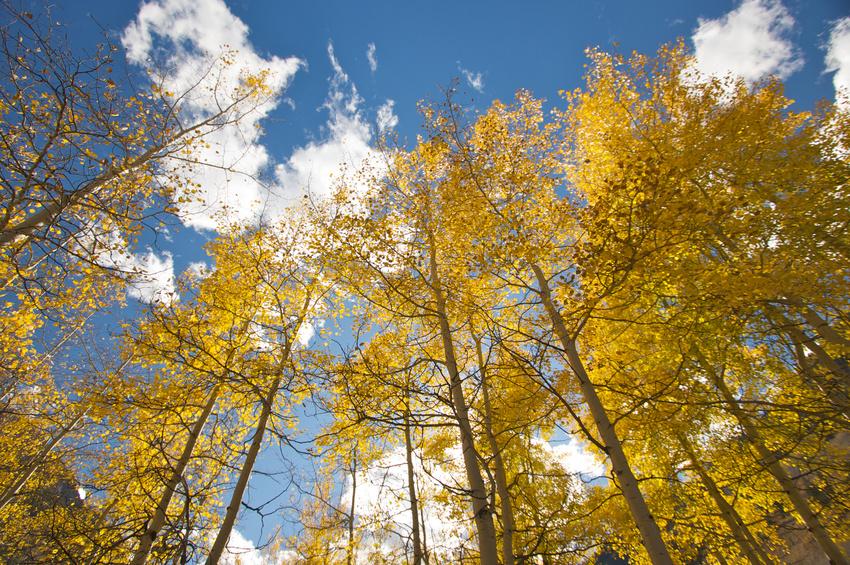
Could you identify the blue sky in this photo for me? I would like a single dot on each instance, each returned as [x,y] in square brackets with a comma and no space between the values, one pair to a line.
[335,91]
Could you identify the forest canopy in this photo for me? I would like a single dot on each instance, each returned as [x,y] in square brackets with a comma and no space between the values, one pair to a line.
[650,273]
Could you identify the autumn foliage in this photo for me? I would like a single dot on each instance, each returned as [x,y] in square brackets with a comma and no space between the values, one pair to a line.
[652,269]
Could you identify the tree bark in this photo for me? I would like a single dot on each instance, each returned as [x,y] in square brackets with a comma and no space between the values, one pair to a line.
[505,504]
[798,336]
[158,520]
[350,559]
[832,389]
[626,480]
[256,442]
[482,513]
[823,328]
[411,483]
[244,475]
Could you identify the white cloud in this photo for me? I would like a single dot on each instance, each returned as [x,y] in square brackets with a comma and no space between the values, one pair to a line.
[305,333]
[386,120]
[151,278]
[199,270]
[473,79]
[372,57]
[316,168]
[382,503]
[573,457]
[243,551]
[241,182]
[752,42]
[240,550]
[838,60]
[382,500]
[186,39]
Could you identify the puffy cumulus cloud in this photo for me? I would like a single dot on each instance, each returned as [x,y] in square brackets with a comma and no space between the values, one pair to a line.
[317,168]
[752,42]
[474,79]
[838,60]
[372,57]
[386,118]
[203,51]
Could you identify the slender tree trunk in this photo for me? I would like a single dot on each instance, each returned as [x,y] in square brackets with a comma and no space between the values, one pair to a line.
[505,504]
[831,389]
[482,513]
[626,480]
[743,536]
[160,513]
[244,475]
[774,466]
[350,546]
[820,353]
[821,326]
[256,442]
[411,483]
[797,335]
[422,521]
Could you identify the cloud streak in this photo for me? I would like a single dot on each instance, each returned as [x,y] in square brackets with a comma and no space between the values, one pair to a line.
[372,57]
[315,169]
[838,60]
[474,79]
[386,118]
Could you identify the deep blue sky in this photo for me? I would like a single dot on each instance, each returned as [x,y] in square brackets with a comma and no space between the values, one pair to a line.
[421,46]
[535,45]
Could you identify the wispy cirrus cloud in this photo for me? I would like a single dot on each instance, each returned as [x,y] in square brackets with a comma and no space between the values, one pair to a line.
[315,169]
[372,57]
[386,118]
[474,79]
